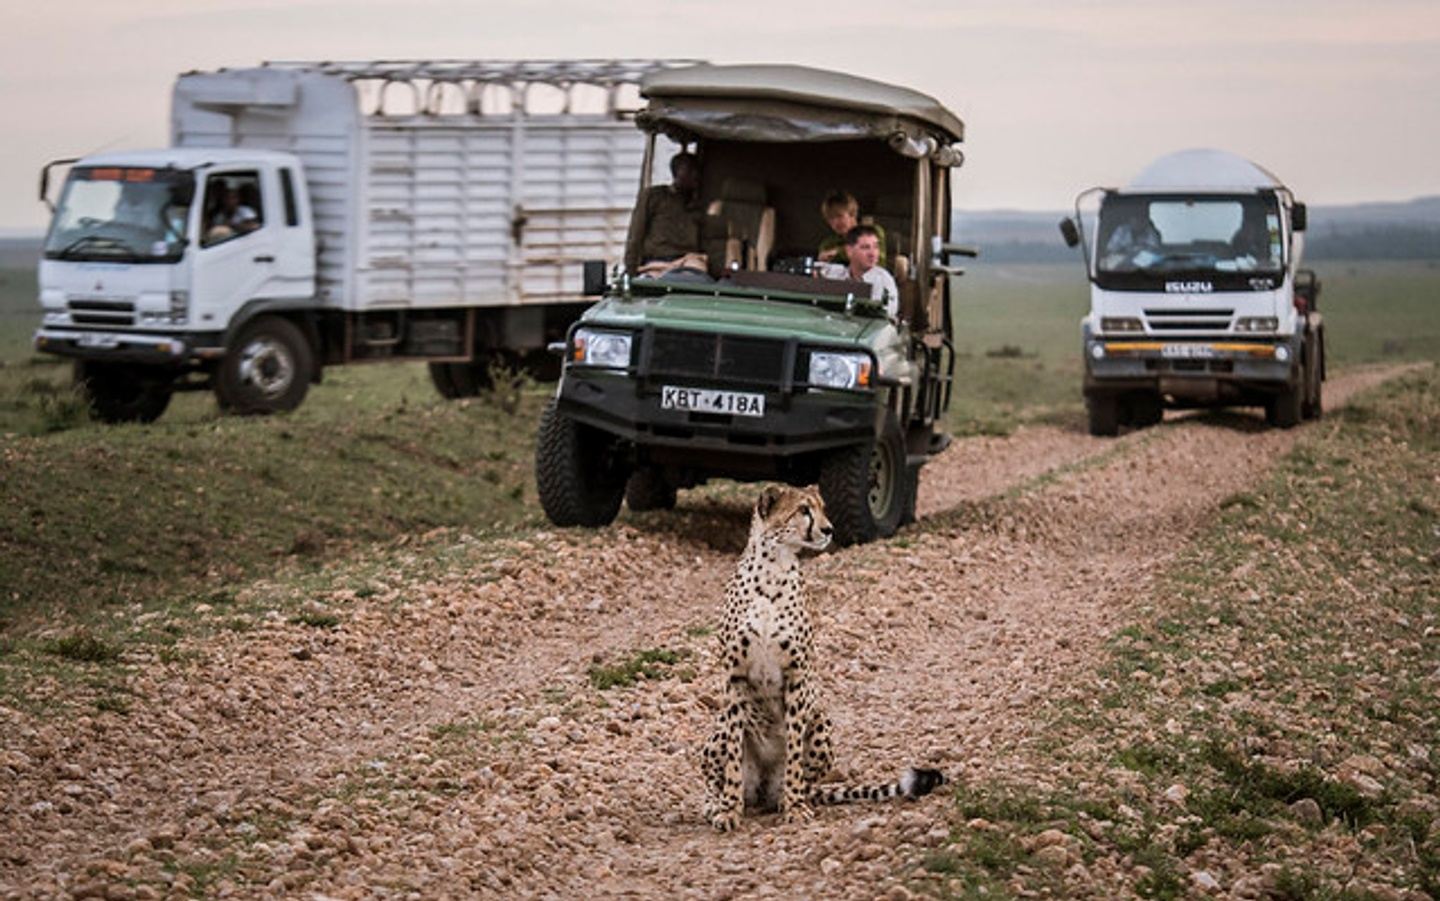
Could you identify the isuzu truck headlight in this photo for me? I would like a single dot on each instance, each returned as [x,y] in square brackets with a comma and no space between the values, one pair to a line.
[179,307]
[836,370]
[596,348]
[1121,324]
[1257,324]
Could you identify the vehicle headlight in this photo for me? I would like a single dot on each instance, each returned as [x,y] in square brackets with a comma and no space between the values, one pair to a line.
[1257,324]
[597,348]
[179,306]
[1121,324]
[837,370]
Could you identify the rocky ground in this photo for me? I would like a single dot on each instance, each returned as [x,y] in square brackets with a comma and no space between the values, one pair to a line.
[482,732]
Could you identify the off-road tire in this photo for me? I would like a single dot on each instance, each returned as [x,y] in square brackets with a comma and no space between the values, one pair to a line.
[579,471]
[648,489]
[1103,411]
[124,392]
[865,488]
[1145,410]
[440,378]
[912,493]
[1283,410]
[457,380]
[266,369]
[1314,406]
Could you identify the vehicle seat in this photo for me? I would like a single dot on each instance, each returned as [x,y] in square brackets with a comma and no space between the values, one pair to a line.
[892,213]
[739,227]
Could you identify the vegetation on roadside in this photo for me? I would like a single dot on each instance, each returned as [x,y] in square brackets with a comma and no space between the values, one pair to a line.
[1268,724]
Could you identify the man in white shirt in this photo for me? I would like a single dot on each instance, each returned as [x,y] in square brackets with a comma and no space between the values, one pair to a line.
[862,247]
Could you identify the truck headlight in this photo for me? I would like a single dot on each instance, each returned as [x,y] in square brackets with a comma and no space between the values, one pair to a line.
[837,370]
[1121,324]
[179,307]
[596,348]
[1257,324]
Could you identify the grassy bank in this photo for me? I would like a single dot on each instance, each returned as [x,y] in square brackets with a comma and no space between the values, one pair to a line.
[1268,723]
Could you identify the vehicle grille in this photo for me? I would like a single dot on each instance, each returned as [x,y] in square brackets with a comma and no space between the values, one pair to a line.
[102,312]
[1188,320]
[725,359]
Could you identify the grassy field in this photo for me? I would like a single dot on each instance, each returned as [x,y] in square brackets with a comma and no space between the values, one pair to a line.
[95,520]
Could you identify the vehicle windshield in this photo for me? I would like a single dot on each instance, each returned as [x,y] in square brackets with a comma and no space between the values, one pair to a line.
[1165,235]
[123,214]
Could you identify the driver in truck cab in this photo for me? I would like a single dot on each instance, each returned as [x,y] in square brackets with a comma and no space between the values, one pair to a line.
[1133,242]
[233,217]
[862,247]
[665,226]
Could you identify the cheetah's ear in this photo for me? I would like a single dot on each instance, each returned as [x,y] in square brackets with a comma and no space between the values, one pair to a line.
[768,498]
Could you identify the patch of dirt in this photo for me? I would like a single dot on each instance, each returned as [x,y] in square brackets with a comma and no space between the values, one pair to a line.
[446,739]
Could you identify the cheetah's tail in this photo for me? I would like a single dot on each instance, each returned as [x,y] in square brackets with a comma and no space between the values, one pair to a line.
[915,782]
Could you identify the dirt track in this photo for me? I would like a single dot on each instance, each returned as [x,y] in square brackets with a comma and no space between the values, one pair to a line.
[446,740]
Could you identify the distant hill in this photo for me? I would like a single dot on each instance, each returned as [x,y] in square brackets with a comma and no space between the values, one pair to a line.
[1395,231]
[19,251]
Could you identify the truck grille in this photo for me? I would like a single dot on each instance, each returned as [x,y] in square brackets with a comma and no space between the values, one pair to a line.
[102,312]
[721,358]
[1188,320]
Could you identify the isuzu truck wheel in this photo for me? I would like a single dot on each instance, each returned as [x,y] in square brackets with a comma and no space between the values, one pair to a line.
[266,370]
[1104,414]
[866,489]
[122,392]
[579,471]
[1283,410]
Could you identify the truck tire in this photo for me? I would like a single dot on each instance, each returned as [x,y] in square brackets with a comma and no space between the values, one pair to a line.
[440,378]
[912,495]
[578,470]
[457,380]
[648,489]
[1145,410]
[1104,414]
[266,369]
[1283,410]
[122,392]
[1314,406]
[866,489]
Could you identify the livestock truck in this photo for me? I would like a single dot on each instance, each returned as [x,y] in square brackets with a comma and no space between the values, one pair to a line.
[308,215]
[1197,298]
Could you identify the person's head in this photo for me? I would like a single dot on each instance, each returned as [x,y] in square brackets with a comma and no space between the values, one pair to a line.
[862,246]
[841,211]
[229,198]
[685,172]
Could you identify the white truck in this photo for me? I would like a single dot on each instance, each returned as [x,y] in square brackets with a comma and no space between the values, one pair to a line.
[312,214]
[1196,297]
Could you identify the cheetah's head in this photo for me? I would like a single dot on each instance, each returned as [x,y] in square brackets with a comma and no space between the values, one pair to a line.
[793,517]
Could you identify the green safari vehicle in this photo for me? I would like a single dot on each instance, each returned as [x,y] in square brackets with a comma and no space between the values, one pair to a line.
[748,366]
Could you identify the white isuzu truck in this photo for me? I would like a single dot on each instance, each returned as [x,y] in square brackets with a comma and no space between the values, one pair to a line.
[313,214]
[1196,297]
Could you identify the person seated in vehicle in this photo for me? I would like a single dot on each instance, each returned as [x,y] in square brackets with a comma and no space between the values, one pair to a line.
[1251,242]
[1133,243]
[665,225]
[233,217]
[841,212]
[862,249]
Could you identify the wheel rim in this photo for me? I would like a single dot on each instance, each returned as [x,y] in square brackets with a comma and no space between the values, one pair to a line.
[266,365]
[882,480]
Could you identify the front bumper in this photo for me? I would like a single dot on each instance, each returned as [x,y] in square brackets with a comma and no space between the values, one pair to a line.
[1189,366]
[128,347]
[795,423]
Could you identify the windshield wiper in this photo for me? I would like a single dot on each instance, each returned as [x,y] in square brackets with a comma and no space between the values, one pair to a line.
[74,246]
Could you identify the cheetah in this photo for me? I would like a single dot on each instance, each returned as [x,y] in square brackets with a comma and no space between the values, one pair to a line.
[772,743]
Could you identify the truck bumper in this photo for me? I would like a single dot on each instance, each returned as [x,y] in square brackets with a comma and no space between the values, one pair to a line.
[793,424]
[126,347]
[1191,368]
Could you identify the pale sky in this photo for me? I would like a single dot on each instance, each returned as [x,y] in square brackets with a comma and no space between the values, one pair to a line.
[1340,99]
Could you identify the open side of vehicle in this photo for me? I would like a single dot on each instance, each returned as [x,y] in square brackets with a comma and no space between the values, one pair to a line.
[752,368]
[1197,295]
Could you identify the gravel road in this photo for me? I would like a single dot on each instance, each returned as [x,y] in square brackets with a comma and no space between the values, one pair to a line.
[446,739]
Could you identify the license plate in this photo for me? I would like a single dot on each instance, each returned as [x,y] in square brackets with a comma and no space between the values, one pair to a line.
[1187,351]
[705,400]
[90,339]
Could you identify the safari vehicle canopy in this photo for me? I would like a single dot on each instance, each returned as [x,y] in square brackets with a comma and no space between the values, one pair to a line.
[755,370]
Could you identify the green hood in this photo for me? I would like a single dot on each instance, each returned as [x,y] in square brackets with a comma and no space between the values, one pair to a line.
[736,315]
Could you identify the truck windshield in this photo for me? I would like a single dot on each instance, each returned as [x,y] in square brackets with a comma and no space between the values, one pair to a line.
[1160,236]
[124,214]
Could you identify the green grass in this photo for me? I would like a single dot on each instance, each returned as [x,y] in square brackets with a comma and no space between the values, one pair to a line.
[652,663]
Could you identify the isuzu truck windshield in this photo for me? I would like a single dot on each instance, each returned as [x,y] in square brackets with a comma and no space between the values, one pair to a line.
[135,215]
[1146,241]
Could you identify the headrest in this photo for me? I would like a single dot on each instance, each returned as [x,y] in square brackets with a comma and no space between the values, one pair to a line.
[742,190]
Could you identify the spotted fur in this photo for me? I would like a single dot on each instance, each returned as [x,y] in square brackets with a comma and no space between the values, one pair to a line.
[771,746]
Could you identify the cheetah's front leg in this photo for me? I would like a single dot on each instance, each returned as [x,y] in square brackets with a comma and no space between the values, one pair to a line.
[726,792]
[795,790]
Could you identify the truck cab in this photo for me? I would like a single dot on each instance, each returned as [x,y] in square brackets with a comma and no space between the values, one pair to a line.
[1193,269]
[744,364]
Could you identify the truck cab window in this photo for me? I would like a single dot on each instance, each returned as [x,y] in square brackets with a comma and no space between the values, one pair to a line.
[233,207]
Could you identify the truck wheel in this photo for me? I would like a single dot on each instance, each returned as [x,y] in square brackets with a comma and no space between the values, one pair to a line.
[1146,410]
[1283,410]
[457,380]
[440,378]
[648,489]
[119,392]
[579,471]
[912,492]
[266,370]
[1104,413]
[865,489]
[1314,406]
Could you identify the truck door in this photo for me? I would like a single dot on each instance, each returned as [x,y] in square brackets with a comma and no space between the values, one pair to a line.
[241,228]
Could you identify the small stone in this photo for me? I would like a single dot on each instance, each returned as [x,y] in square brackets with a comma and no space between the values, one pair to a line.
[979,824]
[830,866]
[301,653]
[1052,856]
[1307,811]
[1050,838]
[1176,794]
[1367,786]
[1202,880]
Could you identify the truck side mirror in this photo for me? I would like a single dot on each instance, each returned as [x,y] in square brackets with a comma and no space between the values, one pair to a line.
[1069,232]
[1298,215]
[594,279]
